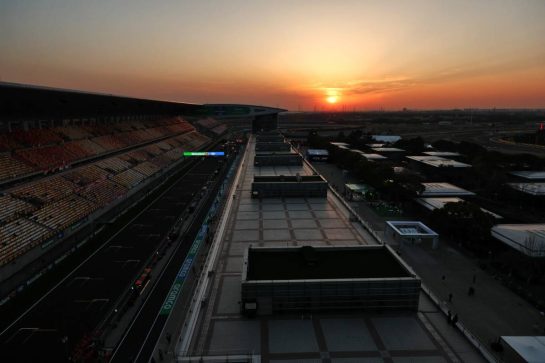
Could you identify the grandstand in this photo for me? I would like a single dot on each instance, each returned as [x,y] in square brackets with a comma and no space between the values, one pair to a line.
[44,206]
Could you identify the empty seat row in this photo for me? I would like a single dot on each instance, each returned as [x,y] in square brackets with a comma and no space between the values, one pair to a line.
[11,167]
[129,178]
[103,192]
[44,190]
[63,213]
[12,208]
[18,237]
[86,175]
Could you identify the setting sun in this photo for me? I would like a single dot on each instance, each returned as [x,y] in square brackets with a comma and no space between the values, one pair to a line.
[332,99]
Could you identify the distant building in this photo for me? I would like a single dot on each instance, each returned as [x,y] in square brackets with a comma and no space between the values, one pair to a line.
[359,192]
[530,175]
[291,279]
[373,157]
[338,144]
[524,349]
[411,232]
[536,189]
[317,154]
[438,203]
[388,139]
[443,190]
[392,153]
[528,239]
[442,153]
[438,161]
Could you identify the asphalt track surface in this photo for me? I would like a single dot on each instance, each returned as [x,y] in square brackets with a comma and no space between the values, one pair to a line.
[139,343]
[52,327]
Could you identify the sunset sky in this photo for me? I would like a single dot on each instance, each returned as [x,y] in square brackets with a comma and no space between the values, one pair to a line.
[292,54]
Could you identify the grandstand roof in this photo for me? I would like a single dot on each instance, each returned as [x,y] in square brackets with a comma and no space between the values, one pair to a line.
[20,102]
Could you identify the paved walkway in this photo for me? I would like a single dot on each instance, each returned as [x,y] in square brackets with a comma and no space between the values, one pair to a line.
[494,310]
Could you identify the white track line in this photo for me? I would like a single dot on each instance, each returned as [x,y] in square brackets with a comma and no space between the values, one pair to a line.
[82,263]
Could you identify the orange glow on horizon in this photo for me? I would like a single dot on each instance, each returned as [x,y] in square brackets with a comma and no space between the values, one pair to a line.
[332,99]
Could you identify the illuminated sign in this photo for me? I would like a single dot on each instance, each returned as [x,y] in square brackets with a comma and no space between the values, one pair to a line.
[204,153]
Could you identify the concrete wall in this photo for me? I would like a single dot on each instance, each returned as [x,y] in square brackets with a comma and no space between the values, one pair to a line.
[339,294]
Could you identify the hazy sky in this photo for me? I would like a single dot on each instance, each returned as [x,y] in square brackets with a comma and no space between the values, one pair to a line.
[292,54]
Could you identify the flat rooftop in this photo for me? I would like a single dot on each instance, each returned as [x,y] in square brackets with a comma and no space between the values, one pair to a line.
[339,337]
[528,239]
[530,175]
[387,149]
[340,144]
[386,138]
[274,153]
[287,178]
[308,263]
[529,348]
[441,153]
[411,228]
[372,156]
[443,189]
[439,202]
[438,162]
[537,189]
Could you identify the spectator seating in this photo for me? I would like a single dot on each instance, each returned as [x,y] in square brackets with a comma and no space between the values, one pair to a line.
[63,213]
[161,161]
[8,143]
[128,178]
[72,132]
[89,147]
[11,167]
[32,213]
[36,137]
[165,146]
[153,149]
[74,148]
[103,192]
[48,157]
[110,142]
[113,165]
[146,168]
[86,175]
[44,190]
[19,236]
[138,155]
[13,208]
